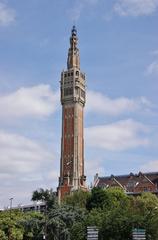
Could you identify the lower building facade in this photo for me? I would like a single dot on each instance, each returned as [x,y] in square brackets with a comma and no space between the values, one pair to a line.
[132,184]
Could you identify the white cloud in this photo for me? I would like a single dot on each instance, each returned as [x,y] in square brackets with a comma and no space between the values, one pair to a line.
[21,155]
[152,69]
[155,52]
[94,166]
[150,166]
[135,7]
[118,136]
[97,102]
[25,165]
[37,101]
[53,174]
[75,12]
[7,14]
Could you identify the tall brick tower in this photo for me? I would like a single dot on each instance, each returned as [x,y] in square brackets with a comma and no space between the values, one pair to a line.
[72,142]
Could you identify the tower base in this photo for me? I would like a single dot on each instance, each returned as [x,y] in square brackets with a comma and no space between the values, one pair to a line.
[65,190]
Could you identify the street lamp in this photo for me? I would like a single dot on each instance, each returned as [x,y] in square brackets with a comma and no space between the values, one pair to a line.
[45,218]
[11,201]
[9,233]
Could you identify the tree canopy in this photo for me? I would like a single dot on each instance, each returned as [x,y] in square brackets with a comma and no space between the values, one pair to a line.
[47,196]
[111,210]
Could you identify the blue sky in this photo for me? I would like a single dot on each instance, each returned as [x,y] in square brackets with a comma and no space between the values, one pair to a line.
[118,42]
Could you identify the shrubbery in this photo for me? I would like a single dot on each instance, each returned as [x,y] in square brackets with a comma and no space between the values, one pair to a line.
[111,210]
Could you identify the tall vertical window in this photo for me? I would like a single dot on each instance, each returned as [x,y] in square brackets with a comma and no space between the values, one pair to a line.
[82,94]
[68,91]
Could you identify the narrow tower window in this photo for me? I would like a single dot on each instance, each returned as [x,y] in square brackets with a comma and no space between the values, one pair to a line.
[77,73]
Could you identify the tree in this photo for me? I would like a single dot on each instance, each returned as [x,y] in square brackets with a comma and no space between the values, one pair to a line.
[145,214]
[109,212]
[78,231]
[116,197]
[116,224]
[61,221]
[9,225]
[21,226]
[47,196]
[33,223]
[96,199]
[95,217]
[77,199]
[3,235]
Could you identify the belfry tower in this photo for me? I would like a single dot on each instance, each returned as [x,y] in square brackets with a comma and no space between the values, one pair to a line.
[72,141]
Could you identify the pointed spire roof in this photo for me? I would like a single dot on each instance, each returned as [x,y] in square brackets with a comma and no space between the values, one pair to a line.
[73,59]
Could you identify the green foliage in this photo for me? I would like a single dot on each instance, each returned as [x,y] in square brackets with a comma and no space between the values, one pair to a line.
[145,214]
[17,225]
[3,235]
[47,196]
[111,210]
[78,231]
[77,199]
[9,224]
[95,217]
[108,198]
[17,234]
[97,199]
[33,225]
[116,214]
[116,224]
[61,220]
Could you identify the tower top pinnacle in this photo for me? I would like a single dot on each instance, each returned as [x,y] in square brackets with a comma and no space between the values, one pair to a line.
[73,59]
[74,31]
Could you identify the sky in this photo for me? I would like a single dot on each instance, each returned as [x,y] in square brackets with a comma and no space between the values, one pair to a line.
[118,42]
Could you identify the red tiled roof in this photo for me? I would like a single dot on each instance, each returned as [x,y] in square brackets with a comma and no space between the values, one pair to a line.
[130,181]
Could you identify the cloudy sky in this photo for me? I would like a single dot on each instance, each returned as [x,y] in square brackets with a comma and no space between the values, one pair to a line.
[118,43]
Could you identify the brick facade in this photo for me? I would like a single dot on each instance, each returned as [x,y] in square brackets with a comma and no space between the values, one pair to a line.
[131,184]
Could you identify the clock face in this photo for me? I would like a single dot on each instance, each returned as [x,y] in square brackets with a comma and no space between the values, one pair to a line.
[68,165]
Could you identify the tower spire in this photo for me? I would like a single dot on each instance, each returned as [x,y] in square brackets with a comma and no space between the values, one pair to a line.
[73,59]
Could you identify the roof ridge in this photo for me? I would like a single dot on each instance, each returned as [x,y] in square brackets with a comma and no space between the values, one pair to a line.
[128,175]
